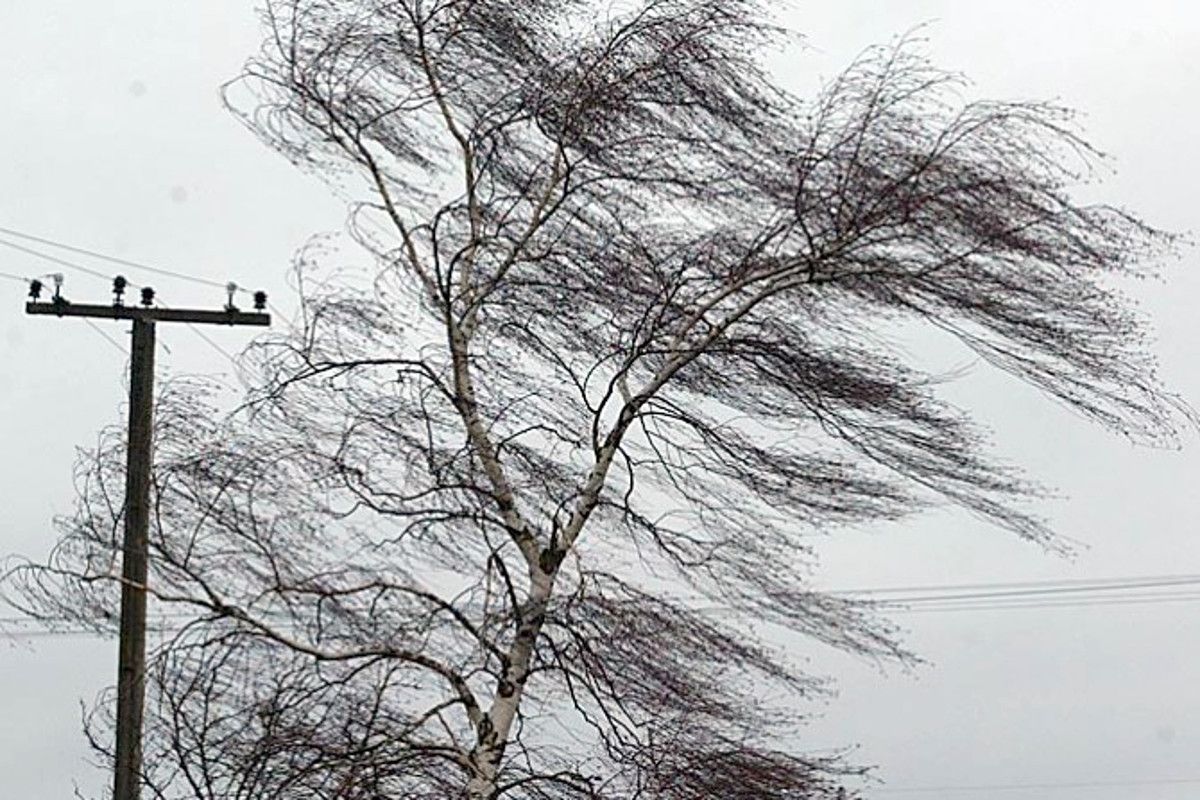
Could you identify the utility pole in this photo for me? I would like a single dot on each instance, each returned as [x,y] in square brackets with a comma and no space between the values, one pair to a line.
[131,662]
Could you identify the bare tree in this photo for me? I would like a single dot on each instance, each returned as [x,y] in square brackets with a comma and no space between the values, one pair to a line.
[630,338]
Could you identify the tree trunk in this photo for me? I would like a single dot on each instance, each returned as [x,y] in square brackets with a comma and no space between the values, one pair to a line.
[494,730]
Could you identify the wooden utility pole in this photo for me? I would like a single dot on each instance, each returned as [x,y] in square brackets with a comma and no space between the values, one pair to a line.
[131,657]
[131,663]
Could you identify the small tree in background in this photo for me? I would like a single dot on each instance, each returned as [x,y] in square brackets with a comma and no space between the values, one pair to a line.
[627,341]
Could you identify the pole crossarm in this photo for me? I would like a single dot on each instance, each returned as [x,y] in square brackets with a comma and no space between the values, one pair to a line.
[149,314]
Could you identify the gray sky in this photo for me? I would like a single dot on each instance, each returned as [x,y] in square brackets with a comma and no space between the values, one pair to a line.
[115,139]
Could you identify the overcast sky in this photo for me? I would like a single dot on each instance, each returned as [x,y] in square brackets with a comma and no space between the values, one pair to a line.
[114,138]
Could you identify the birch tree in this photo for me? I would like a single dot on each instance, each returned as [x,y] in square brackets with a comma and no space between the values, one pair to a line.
[629,336]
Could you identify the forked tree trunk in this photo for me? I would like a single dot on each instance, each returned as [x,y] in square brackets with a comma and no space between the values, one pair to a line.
[494,730]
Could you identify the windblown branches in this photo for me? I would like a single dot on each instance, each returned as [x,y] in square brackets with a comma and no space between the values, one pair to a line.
[630,328]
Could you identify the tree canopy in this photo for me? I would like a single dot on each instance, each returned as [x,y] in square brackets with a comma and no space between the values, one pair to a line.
[629,336]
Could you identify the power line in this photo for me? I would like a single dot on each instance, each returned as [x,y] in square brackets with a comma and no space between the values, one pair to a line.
[91,324]
[76,266]
[1011,606]
[209,341]
[88,270]
[1073,603]
[110,339]
[111,259]
[1043,591]
[127,263]
[992,585]
[55,260]
[1035,594]
[12,277]
[51,620]
[141,265]
[1029,787]
[1126,584]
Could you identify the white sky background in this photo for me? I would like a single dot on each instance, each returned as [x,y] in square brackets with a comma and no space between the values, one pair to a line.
[114,138]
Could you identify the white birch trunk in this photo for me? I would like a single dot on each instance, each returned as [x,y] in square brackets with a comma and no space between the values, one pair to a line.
[494,730]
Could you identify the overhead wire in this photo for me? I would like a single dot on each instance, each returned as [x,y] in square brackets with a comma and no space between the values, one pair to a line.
[55,259]
[123,350]
[1040,594]
[96,273]
[69,265]
[996,585]
[140,265]
[1028,787]
[112,259]
[1056,593]
[10,276]
[1126,584]
[1047,590]
[1074,603]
